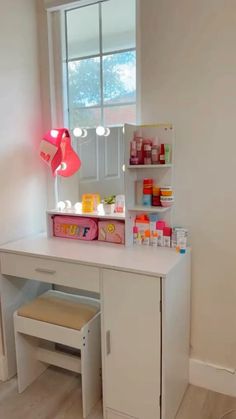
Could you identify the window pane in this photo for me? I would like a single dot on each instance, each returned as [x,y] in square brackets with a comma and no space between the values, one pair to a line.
[118,115]
[83,31]
[85,117]
[84,82]
[119,73]
[118,21]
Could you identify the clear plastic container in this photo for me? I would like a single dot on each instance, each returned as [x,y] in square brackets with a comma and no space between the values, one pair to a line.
[120,204]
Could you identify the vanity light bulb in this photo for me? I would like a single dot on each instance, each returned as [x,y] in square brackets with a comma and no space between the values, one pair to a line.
[78,207]
[123,168]
[78,132]
[107,132]
[100,131]
[85,133]
[61,205]
[68,204]
[54,133]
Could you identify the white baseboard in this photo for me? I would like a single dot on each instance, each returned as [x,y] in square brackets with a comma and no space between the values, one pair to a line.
[213,377]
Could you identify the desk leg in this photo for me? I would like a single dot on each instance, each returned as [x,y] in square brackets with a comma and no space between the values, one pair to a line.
[14,292]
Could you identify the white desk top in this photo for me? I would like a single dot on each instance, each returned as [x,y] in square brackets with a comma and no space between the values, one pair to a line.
[146,260]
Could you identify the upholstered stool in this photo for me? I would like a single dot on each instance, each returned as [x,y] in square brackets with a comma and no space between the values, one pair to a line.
[59,318]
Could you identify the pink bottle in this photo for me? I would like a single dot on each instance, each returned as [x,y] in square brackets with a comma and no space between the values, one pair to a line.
[160,231]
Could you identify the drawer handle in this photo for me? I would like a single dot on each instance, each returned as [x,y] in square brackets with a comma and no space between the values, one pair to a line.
[45,271]
[108,342]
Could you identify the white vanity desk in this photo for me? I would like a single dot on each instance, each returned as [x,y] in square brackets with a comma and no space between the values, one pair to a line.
[145,300]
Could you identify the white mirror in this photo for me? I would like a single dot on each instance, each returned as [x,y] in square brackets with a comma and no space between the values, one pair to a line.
[101,171]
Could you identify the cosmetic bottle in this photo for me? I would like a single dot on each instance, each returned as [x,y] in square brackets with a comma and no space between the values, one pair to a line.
[167,231]
[146,241]
[154,239]
[147,151]
[160,227]
[135,235]
[139,240]
[162,154]
[167,148]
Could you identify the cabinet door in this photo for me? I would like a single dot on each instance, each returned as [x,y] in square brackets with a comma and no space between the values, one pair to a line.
[131,344]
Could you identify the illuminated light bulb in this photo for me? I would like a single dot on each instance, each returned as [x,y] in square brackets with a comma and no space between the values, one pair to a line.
[107,132]
[123,129]
[61,205]
[85,133]
[123,168]
[100,131]
[54,133]
[68,204]
[78,207]
[78,132]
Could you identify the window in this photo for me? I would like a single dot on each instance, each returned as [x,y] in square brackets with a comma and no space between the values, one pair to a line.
[101,63]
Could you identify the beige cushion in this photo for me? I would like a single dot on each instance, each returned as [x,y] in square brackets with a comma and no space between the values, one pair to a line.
[61,309]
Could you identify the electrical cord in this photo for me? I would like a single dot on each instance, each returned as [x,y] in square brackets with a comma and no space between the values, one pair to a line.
[228,413]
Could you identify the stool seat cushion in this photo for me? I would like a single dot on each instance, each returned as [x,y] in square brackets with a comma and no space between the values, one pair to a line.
[61,309]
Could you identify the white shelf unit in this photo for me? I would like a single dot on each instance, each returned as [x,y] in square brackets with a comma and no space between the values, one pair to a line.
[146,209]
[161,174]
[149,166]
[100,215]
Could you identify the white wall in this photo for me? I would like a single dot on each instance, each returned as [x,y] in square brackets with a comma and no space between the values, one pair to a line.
[188,69]
[189,78]
[22,175]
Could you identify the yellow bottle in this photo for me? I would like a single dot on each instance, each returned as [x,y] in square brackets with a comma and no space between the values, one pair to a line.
[87,203]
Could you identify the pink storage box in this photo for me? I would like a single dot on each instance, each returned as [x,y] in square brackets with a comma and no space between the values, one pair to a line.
[77,228]
[111,231]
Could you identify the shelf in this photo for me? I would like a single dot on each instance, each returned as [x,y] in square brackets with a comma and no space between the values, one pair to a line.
[149,166]
[145,208]
[73,212]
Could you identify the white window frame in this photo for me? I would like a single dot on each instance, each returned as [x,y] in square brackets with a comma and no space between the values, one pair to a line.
[58,95]
[102,106]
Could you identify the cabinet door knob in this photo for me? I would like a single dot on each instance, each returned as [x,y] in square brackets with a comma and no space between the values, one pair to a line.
[108,342]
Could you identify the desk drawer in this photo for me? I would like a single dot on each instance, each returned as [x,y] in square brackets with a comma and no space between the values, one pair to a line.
[73,275]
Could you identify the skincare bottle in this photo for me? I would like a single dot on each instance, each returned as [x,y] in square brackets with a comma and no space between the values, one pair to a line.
[167,149]
[177,234]
[154,239]
[133,149]
[135,235]
[153,222]
[142,222]
[162,154]
[147,200]
[146,240]
[139,240]
[167,236]
[160,227]
[182,245]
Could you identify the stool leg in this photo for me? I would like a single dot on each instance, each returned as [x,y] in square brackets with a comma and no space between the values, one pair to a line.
[91,366]
[28,367]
